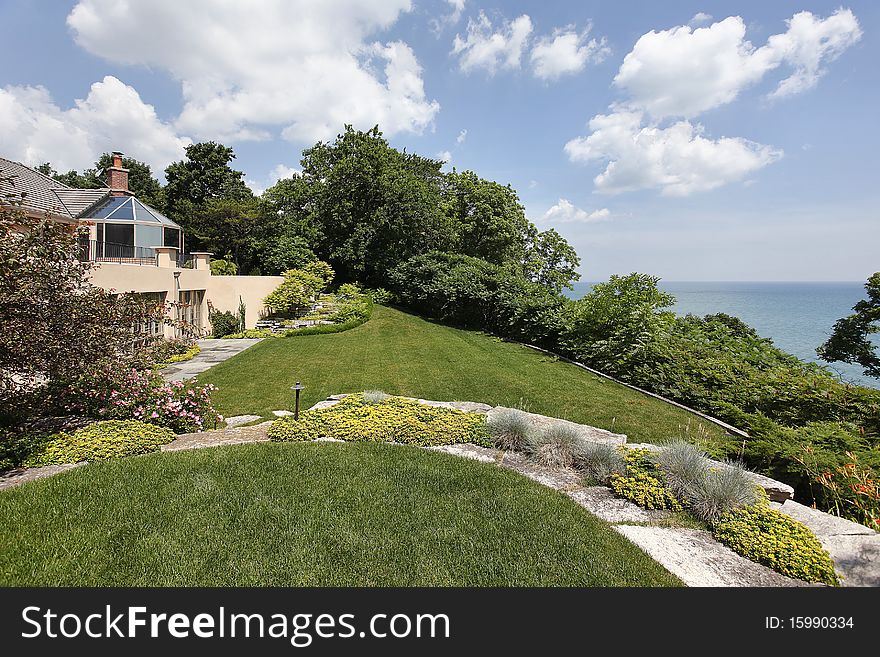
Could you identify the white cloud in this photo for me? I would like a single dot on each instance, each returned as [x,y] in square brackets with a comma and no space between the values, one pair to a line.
[684,72]
[34,129]
[442,22]
[461,137]
[248,69]
[677,160]
[444,156]
[699,18]
[485,48]
[566,52]
[565,212]
[810,41]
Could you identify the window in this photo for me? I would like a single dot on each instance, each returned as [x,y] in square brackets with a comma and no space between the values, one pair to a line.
[172,237]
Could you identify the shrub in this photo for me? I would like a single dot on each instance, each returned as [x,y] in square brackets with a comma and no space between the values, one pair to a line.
[510,428]
[684,466]
[852,489]
[643,482]
[144,395]
[162,350]
[348,291]
[381,296]
[352,309]
[393,420]
[174,351]
[296,293]
[222,267]
[777,541]
[189,354]
[54,324]
[600,461]
[251,334]
[375,396]
[223,323]
[556,447]
[720,491]
[100,441]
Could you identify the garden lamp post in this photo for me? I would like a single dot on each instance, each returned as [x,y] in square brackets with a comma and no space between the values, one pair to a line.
[299,386]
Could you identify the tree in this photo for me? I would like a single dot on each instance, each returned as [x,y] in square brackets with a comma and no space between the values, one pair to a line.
[370,206]
[850,341]
[278,254]
[613,327]
[55,327]
[229,226]
[487,218]
[205,177]
[550,260]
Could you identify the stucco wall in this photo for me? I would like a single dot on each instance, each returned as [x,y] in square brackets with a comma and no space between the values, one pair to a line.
[223,293]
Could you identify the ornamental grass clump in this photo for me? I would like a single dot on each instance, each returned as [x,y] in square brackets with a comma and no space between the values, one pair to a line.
[375,396]
[600,461]
[510,429]
[557,446]
[685,468]
[721,491]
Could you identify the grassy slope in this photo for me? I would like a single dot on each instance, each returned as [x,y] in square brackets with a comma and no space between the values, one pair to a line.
[405,355]
[304,515]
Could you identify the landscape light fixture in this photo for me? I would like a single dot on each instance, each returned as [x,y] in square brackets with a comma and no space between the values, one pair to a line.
[299,386]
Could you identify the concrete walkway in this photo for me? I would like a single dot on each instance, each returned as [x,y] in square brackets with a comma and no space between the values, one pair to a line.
[213,352]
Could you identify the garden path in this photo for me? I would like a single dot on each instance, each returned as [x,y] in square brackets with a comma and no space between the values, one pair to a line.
[212,352]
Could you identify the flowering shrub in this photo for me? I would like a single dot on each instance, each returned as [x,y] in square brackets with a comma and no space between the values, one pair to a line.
[143,395]
[852,489]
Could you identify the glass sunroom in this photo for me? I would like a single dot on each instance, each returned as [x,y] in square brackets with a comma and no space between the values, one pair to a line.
[126,230]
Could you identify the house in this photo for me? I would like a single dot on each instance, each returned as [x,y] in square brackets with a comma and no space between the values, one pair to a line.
[135,248]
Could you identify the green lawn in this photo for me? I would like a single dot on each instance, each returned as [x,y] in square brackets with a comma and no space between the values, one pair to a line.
[307,514]
[405,355]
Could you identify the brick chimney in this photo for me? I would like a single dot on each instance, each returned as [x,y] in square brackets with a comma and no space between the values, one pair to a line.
[117,177]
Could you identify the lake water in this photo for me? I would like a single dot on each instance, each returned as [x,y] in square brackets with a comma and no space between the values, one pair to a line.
[798,317]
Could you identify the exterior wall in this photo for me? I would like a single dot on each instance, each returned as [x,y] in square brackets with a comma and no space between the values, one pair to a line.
[224,292]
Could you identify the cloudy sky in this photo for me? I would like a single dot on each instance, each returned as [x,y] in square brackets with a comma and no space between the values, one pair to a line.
[692,140]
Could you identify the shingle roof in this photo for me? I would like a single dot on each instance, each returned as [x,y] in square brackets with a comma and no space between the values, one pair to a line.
[44,194]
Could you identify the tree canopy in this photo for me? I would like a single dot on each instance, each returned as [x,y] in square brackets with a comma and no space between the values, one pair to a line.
[850,341]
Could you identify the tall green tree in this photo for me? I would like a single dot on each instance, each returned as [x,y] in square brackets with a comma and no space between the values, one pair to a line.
[229,226]
[550,260]
[371,206]
[194,183]
[489,221]
[614,326]
[850,341]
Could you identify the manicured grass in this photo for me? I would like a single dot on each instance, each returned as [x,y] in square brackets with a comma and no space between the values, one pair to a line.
[307,514]
[405,355]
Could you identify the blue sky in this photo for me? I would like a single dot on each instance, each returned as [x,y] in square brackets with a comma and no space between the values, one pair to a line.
[729,141]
